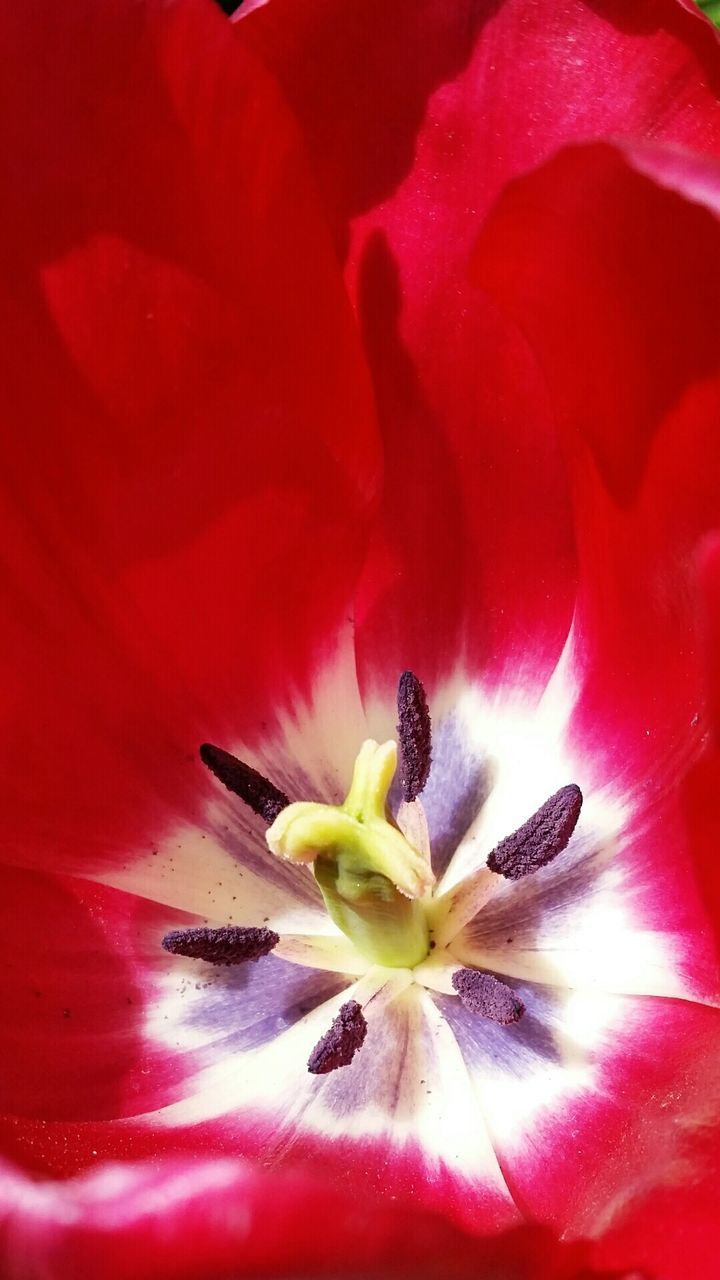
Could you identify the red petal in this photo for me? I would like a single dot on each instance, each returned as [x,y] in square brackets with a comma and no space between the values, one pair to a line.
[443,95]
[423,127]
[599,255]
[709,572]
[193,442]
[471,558]
[125,1027]
[701,789]
[591,1096]
[189,1219]
[83,974]
[671,1231]
[669,1227]
[601,263]
[403,1112]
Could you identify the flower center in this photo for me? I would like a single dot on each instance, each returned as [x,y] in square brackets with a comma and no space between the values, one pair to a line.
[370,876]
[375,877]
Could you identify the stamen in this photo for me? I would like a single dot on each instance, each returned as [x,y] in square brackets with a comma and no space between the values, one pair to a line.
[230,944]
[414,735]
[541,838]
[482,993]
[338,1046]
[256,790]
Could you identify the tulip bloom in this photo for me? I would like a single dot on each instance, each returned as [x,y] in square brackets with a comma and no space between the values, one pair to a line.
[343,342]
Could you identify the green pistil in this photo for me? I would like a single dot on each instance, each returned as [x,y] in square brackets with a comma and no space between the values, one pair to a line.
[370,876]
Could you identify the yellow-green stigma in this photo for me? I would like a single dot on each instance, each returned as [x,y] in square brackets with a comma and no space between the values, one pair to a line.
[370,876]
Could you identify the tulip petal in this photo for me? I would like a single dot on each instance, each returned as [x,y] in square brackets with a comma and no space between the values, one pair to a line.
[460,781]
[587,214]
[405,1097]
[203,518]
[437,72]
[83,965]
[480,562]
[648,491]
[186,1219]
[101,1022]
[614,911]
[182,561]
[684,1202]
[182,1218]
[571,1094]
[700,797]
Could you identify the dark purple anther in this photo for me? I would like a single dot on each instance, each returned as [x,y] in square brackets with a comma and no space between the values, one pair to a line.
[230,944]
[261,795]
[338,1046]
[484,994]
[414,735]
[541,838]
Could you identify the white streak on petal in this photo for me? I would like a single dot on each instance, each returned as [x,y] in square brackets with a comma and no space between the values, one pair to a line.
[410,1087]
[411,820]
[221,868]
[437,971]
[247,8]
[379,987]
[230,1011]
[527,1072]
[317,952]
[407,1085]
[312,754]
[578,923]
[451,911]
[635,962]
[114,1195]
[274,1077]
[194,872]
[524,742]
[452,1123]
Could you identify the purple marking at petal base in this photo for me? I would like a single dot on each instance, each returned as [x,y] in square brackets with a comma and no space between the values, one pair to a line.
[230,944]
[338,1046]
[458,785]
[529,1046]
[247,1005]
[262,796]
[414,735]
[486,995]
[541,838]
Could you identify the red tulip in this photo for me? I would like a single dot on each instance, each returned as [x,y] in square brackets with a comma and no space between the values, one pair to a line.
[347,341]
